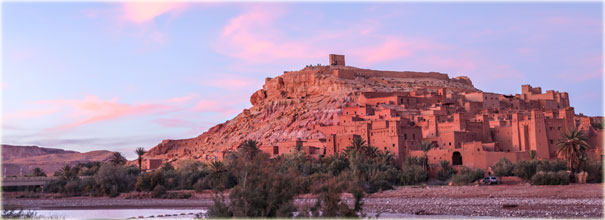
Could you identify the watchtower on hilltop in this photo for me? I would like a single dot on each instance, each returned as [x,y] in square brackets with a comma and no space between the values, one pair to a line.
[337,60]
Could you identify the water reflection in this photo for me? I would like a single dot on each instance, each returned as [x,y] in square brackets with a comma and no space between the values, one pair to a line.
[121,213]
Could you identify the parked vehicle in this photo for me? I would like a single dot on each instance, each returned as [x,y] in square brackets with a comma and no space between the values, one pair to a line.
[490,180]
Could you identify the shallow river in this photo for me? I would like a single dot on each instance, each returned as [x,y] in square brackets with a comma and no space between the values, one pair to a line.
[119,213]
[183,214]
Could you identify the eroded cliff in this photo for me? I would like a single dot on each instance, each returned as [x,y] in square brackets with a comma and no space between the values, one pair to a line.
[295,104]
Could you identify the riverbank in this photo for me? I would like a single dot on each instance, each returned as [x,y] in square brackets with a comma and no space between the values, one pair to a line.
[572,201]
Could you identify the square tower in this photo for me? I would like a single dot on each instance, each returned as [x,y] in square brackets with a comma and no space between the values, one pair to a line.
[337,60]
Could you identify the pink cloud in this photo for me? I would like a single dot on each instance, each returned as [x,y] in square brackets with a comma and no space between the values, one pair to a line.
[2,85]
[392,48]
[183,99]
[142,12]
[252,36]
[258,36]
[92,109]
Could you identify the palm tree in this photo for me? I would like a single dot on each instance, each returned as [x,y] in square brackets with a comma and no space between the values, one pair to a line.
[249,148]
[358,145]
[371,152]
[67,173]
[385,157]
[425,146]
[117,159]
[217,166]
[573,147]
[140,151]
[38,172]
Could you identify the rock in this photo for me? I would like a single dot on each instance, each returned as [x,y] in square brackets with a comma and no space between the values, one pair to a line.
[422,212]
[294,105]
[509,206]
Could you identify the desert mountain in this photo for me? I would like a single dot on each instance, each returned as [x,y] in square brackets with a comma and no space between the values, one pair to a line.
[10,152]
[297,104]
[17,160]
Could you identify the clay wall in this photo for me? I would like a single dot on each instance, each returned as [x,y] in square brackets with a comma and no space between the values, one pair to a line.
[343,73]
[404,74]
[471,158]
[503,136]
[489,100]
[152,164]
[554,130]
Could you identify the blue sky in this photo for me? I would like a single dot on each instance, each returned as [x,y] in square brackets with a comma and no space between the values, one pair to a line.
[88,76]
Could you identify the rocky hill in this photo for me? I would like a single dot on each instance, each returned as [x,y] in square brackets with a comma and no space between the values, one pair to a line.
[18,160]
[10,152]
[296,104]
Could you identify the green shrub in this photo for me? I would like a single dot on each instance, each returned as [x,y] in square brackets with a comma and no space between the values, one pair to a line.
[189,172]
[220,209]
[467,176]
[375,180]
[550,178]
[72,188]
[55,186]
[412,174]
[414,161]
[336,164]
[261,192]
[329,203]
[503,168]
[595,171]
[551,166]
[113,180]
[158,191]
[144,183]
[525,169]
[446,170]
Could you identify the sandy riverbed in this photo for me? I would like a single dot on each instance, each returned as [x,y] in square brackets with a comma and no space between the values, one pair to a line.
[573,201]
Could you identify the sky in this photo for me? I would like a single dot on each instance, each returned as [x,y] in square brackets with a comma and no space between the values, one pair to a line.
[116,76]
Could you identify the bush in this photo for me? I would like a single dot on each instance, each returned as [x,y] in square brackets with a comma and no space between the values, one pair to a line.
[55,186]
[72,188]
[551,166]
[414,161]
[261,191]
[446,170]
[412,174]
[219,210]
[503,168]
[550,178]
[144,183]
[329,200]
[376,180]
[467,176]
[158,191]
[113,180]
[525,169]
[595,171]
[189,172]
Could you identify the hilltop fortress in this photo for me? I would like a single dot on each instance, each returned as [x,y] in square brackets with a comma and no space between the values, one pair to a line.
[323,108]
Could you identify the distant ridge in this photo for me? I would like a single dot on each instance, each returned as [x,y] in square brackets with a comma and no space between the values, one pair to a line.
[20,160]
